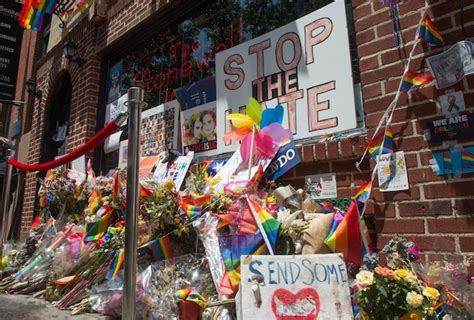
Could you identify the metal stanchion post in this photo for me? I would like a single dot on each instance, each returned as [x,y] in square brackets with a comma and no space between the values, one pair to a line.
[135,103]
[7,179]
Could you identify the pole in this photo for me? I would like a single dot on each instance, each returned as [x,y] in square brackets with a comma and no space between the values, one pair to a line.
[252,147]
[7,179]
[135,102]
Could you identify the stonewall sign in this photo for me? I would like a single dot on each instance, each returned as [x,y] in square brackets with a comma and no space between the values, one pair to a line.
[304,65]
[294,287]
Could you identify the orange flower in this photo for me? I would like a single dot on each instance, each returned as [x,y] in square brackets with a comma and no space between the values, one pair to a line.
[384,272]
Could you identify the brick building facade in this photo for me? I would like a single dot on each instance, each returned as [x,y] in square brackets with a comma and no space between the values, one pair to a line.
[436,212]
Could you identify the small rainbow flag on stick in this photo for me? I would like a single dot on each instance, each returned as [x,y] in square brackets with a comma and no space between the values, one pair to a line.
[447,161]
[161,248]
[265,221]
[467,159]
[375,144]
[97,230]
[116,265]
[414,79]
[363,193]
[429,32]
[351,237]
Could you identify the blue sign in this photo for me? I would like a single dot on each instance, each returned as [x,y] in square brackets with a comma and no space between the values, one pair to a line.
[197,93]
[286,158]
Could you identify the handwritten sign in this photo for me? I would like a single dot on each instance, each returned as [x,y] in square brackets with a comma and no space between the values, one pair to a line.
[175,171]
[304,66]
[294,287]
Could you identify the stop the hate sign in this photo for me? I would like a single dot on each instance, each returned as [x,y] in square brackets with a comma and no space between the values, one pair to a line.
[294,287]
[304,65]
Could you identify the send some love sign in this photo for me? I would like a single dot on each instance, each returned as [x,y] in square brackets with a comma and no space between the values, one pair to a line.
[305,66]
[294,287]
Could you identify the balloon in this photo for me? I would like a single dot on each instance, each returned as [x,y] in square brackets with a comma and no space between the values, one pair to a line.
[270,116]
[240,120]
[254,110]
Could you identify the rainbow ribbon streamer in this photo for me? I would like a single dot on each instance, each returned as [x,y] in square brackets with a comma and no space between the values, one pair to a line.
[375,144]
[414,79]
[189,294]
[161,249]
[467,159]
[362,194]
[429,32]
[116,265]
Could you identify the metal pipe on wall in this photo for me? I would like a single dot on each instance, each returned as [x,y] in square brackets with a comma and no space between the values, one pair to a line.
[7,179]
[135,103]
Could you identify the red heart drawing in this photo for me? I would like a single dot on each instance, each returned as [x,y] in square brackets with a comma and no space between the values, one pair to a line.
[300,306]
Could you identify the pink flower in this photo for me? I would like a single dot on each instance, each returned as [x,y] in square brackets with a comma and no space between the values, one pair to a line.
[384,272]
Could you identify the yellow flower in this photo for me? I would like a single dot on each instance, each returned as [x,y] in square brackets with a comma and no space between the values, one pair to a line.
[400,274]
[169,185]
[410,277]
[430,311]
[413,315]
[414,299]
[431,293]
[365,277]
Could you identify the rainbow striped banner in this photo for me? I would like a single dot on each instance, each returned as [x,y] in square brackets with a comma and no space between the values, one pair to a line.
[414,79]
[374,145]
[161,248]
[362,195]
[429,32]
[116,265]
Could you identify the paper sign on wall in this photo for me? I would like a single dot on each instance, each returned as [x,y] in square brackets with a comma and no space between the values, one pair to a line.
[304,65]
[392,172]
[455,161]
[295,287]
[322,186]
[458,127]
[451,103]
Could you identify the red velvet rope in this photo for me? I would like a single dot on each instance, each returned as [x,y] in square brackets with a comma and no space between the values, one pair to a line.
[82,150]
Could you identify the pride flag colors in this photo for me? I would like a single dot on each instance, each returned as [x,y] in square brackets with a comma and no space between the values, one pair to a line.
[467,159]
[348,237]
[363,193]
[429,32]
[270,225]
[374,146]
[414,79]
[116,265]
[161,249]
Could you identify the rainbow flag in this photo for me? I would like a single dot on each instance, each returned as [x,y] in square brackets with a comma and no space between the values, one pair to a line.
[374,145]
[347,238]
[328,207]
[232,247]
[467,159]
[95,231]
[270,225]
[161,248]
[116,265]
[429,32]
[189,294]
[338,216]
[192,207]
[447,161]
[414,79]
[362,194]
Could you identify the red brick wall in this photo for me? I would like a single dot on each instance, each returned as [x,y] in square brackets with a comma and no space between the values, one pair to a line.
[437,212]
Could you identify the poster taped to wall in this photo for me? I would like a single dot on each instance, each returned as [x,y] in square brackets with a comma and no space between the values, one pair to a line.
[112,110]
[392,172]
[159,129]
[305,66]
[115,82]
[174,171]
[311,286]
[452,65]
[198,129]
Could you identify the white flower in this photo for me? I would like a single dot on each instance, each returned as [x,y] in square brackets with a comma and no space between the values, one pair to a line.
[414,299]
[365,277]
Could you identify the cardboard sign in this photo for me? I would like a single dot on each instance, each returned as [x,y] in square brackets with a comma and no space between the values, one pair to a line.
[295,287]
[175,171]
[392,172]
[453,128]
[286,158]
[322,186]
[305,66]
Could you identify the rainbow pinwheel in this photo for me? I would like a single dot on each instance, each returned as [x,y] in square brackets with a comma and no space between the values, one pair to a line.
[263,126]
